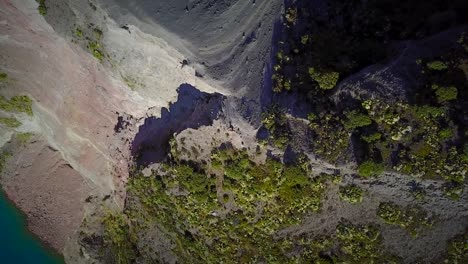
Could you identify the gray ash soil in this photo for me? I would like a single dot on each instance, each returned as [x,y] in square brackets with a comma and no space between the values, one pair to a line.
[230,40]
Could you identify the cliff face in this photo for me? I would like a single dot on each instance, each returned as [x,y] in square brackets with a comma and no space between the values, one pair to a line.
[85,64]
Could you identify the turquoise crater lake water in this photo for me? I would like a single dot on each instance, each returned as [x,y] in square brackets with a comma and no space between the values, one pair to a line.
[17,244]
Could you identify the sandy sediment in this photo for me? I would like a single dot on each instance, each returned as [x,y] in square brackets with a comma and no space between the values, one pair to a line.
[48,190]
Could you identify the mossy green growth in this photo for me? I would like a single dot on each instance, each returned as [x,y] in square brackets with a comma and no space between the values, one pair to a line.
[356,120]
[372,138]
[352,194]
[412,219]
[370,169]
[79,33]
[117,238]
[418,192]
[42,8]
[437,65]
[96,50]
[313,248]
[453,191]
[331,139]
[276,122]
[445,134]
[360,243]
[3,76]
[10,122]
[256,201]
[24,138]
[4,156]
[445,94]
[17,104]
[326,80]
[458,249]
[132,82]
[351,243]
[291,15]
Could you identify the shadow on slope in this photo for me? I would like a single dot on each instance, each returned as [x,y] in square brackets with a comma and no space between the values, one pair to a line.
[193,109]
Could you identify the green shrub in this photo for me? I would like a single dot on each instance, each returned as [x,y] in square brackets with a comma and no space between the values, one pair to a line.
[78,32]
[117,238]
[418,192]
[453,191]
[428,112]
[412,219]
[356,119]
[291,15]
[24,138]
[370,169]
[372,138]
[446,133]
[281,141]
[10,122]
[359,242]
[96,50]
[312,117]
[326,80]
[276,122]
[17,104]
[42,7]
[390,213]
[4,156]
[437,65]
[445,94]
[352,194]
[458,249]
[3,76]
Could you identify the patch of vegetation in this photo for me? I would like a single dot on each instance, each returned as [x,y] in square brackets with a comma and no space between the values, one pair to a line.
[291,15]
[79,33]
[117,238]
[370,169]
[458,249]
[17,104]
[132,83]
[445,94]
[325,79]
[275,121]
[375,137]
[418,192]
[453,190]
[232,200]
[418,137]
[4,156]
[42,8]
[351,243]
[412,219]
[24,138]
[330,138]
[351,193]
[361,244]
[3,76]
[437,65]
[10,122]
[96,50]
[356,120]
